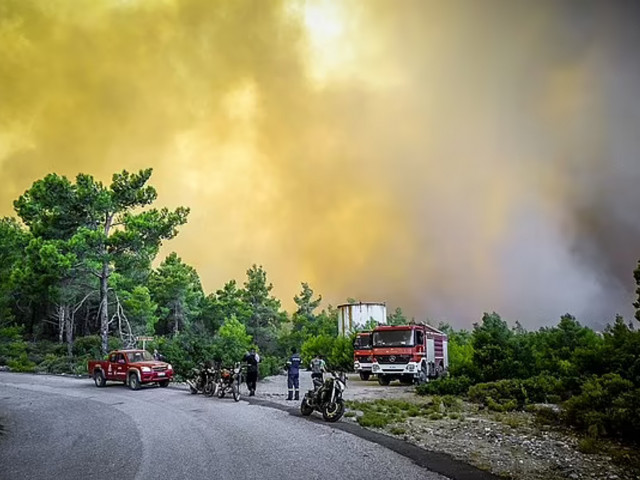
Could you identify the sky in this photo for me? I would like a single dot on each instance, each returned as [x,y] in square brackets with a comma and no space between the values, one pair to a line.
[449,158]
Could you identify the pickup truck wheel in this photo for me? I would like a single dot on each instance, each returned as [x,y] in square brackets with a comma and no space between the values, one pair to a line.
[164,383]
[99,379]
[134,383]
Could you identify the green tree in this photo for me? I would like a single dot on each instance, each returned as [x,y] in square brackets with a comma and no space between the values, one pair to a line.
[491,347]
[306,306]
[141,310]
[231,342]
[397,318]
[13,241]
[176,288]
[265,315]
[227,302]
[106,226]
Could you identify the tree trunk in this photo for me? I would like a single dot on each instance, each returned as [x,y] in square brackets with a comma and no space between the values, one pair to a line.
[104,314]
[61,322]
[69,327]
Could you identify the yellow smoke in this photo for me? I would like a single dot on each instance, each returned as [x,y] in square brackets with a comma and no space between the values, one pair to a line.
[387,151]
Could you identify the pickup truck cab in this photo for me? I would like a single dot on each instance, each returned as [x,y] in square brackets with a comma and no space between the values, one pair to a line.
[132,367]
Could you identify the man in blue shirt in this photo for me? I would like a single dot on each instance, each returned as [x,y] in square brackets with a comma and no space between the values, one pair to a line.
[293,375]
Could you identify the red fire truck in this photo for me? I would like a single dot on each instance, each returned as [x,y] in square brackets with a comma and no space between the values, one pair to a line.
[409,353]
[362,355]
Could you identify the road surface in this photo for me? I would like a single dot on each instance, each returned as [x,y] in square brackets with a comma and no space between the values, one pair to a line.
[65,429]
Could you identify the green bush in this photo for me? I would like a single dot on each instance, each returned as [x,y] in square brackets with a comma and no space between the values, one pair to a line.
[56,364]
[608,405]
[374,419]
[341,357]
[186,351]
[21,363]
[514,394]
[270,365]
[320,345]
[91,346]
[445,386]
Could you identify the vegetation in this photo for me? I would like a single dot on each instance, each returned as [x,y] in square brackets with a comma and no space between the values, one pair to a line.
[76,280]
[595,377]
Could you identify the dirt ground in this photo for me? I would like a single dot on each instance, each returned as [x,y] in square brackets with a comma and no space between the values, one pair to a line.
[512,445]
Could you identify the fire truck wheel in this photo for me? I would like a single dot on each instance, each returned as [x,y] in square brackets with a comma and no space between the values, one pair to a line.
[365,376]
[383,380]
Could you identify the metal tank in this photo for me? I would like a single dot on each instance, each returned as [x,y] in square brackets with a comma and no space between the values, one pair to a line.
[354,316]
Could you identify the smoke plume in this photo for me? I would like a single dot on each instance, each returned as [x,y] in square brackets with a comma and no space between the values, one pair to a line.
[446,157]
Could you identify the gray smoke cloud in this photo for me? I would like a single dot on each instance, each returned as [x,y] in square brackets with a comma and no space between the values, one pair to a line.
[449,158]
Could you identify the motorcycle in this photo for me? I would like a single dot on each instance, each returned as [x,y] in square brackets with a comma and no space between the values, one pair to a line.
[326,398]
[203,380]
[229,382]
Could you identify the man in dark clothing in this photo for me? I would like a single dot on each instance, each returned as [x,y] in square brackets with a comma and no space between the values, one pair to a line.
[293,375]
[252,359]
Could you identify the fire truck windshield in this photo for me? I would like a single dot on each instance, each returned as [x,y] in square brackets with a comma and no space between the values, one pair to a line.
[393,338]
[362,342]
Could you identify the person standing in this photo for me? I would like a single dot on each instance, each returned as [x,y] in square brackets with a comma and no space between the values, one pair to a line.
[318,367]
[293,375]
[252,359]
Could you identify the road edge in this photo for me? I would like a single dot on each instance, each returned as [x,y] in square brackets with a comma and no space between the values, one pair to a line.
[437,462]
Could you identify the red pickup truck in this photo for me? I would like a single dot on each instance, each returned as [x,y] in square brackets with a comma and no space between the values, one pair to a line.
[133,367]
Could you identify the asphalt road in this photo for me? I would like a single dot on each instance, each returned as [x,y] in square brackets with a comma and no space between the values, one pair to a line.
[65,428]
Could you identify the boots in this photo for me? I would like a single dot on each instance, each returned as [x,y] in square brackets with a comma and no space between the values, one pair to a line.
[297,397]
[289,397]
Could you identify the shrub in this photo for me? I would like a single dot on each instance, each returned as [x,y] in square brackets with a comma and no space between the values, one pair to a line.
[56,364]
[91,346]
[21,363]
[320,345]
[341,357]
[445,386]
[269,366]
[507,395]
[374,419]
[607,406]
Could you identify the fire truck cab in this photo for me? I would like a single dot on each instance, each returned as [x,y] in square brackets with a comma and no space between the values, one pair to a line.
[409,353]
[362,355]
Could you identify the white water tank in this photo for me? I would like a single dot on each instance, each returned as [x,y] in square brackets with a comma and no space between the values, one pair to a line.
[354,316]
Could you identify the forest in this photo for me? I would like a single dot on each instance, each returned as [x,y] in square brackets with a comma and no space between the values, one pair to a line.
[77,279]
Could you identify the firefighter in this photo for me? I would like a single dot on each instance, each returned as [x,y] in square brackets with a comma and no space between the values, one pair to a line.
[252,358]
[293,375]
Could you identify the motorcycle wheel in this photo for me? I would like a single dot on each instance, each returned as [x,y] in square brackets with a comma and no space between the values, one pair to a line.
[305,408]
[236,392]
[221,390]
[333,411]
[209,389]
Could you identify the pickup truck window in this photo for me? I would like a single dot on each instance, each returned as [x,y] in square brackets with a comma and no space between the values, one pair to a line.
[142,356]
[112,358]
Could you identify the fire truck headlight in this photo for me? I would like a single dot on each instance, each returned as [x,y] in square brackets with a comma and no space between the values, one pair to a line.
[375,367]
[411,368]
[356,365]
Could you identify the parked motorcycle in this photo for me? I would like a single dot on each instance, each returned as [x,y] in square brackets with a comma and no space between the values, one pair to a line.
[229,382]
[203,380]
[326,398]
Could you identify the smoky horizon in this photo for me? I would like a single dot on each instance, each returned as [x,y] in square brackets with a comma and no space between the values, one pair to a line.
[446,158]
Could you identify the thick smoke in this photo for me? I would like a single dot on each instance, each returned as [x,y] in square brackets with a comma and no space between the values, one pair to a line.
[449,158]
